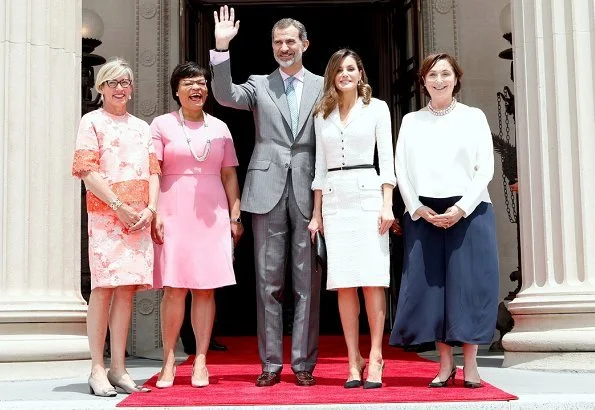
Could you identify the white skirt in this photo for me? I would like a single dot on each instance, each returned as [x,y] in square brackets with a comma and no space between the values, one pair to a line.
[357,255]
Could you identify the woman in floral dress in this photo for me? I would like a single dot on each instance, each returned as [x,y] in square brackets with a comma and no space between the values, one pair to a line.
[114,156]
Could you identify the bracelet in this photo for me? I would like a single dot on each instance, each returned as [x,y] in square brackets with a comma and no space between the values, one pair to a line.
[221,50]
[153,210]
[115,204]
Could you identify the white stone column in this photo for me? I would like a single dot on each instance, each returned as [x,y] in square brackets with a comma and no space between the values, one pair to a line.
[42,313]
[555,112]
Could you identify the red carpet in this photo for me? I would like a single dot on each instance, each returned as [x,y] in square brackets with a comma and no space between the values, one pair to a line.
[234,372]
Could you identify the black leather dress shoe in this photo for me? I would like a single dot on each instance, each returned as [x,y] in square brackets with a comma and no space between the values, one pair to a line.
[268,379]
[304,378]
[216,346]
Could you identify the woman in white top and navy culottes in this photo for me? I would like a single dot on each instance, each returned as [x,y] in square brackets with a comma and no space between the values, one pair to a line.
[444,162]
[353,204]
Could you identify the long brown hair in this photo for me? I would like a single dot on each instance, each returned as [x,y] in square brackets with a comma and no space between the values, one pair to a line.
[330,98]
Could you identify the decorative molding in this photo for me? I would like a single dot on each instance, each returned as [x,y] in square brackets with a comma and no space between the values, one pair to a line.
[147,108]
[145,306]
[152,57]
[148,10]
[444,6]
[440,26]
[151,66]
[148,58]
[440,32]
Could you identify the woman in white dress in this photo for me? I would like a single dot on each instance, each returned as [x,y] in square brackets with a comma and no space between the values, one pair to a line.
[353,204]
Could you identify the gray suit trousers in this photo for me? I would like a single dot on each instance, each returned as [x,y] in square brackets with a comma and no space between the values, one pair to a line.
[283,228]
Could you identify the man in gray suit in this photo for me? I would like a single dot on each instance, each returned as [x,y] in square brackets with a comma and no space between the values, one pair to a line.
[277,189]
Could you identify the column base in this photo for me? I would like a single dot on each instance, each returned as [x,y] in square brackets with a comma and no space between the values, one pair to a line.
[552,361]
[26,371]
[31,342]
[552,341]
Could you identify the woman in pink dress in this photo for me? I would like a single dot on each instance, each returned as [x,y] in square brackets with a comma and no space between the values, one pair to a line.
[115,158]
[199,216]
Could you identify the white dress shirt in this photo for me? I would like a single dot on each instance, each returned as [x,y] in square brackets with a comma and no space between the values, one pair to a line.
[298,84]
[445,156]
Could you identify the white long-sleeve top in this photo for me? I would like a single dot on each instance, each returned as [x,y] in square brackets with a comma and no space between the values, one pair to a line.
[445,156]
[352,143]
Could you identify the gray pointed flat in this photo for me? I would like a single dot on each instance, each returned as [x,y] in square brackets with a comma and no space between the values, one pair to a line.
[125,382]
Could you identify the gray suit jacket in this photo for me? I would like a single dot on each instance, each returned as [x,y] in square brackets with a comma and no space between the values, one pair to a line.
[276,151]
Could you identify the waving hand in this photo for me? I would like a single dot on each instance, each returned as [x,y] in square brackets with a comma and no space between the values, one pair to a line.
[226,27]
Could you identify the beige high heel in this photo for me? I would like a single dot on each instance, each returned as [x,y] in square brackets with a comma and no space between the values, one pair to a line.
[165,384]
[125,382]
[96,388]
[200,381]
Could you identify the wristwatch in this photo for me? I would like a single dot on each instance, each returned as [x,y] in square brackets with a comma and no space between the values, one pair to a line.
[115,204]
[237,220]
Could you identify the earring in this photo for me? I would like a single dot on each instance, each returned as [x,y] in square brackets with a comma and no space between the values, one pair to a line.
[359,82]
[177,95]
[130,97]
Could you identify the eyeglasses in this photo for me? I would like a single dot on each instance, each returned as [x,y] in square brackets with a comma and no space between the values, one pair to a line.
[114,83]
[190,83]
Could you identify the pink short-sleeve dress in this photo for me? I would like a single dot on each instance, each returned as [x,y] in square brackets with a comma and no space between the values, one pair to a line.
[197,245]
[120,149]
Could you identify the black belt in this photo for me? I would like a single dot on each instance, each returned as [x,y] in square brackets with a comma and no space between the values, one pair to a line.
[364,166]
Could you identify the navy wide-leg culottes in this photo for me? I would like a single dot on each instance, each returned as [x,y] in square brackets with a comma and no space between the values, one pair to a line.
[449,285]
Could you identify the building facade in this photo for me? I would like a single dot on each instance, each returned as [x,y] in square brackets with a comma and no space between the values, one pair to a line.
[42,313]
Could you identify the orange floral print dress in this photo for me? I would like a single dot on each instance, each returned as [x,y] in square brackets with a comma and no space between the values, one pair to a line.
[120,149]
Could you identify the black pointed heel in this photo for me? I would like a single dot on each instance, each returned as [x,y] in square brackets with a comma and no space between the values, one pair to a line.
[374,385]
[353,384]
[452,375]
[470,385]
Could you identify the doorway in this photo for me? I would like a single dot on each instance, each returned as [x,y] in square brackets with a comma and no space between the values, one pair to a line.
[384,33]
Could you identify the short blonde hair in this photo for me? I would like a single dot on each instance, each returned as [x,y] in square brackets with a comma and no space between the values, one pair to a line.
[111,70]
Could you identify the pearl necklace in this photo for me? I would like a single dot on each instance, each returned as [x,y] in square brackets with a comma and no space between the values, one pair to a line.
[444,111]
[205,153]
